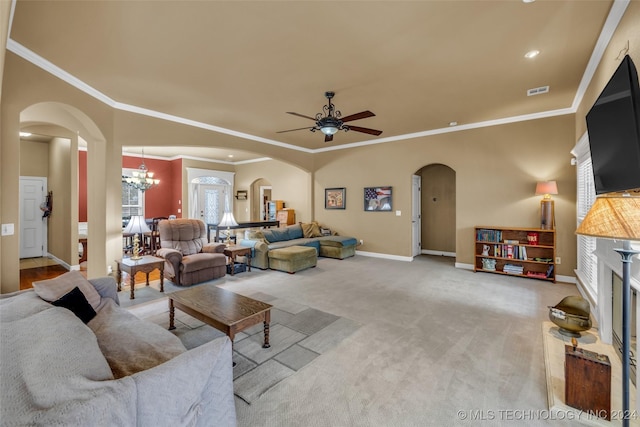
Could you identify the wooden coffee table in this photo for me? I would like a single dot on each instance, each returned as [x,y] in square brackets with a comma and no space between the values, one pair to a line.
[146,264]
[224,310]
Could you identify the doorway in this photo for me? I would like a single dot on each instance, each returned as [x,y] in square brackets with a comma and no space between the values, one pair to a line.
[33,228]
[438,210]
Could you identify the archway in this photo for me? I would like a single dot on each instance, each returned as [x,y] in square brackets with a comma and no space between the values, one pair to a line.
[438,210]
[66,123]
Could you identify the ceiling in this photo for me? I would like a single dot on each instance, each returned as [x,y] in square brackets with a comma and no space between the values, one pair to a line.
[241,65]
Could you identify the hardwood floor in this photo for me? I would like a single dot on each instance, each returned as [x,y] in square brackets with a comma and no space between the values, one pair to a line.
[29,274]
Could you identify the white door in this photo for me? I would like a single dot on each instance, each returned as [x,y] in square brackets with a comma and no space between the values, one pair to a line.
[32,225]
[416,230]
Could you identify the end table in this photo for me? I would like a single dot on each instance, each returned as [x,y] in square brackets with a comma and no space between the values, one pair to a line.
[146,264]
[232,251]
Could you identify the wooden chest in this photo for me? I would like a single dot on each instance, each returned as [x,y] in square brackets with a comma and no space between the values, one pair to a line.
[587,379]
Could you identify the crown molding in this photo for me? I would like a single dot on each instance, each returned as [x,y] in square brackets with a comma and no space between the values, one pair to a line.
[613,19]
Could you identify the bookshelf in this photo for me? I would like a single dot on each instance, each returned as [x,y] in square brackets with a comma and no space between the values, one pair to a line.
[522,252]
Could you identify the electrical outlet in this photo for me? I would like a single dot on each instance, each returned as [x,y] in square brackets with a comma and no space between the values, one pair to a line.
[361,242]
[558,260]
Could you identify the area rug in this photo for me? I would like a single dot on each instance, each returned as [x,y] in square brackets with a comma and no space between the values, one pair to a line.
[298,335]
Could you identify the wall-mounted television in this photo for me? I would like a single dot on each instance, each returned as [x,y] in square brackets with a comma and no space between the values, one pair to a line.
[613,124]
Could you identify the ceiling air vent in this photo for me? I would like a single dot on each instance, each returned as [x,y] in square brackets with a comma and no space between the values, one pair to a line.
[538,90]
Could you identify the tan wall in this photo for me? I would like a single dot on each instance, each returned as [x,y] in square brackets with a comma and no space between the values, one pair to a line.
[438,208]
[59,226]
[627,35]
[34,158]
[496,171]
[289,183]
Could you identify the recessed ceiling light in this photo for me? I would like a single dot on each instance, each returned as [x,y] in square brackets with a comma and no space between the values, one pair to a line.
[230,156]
[532,54]
[528,1]
[25,134]
[453,123]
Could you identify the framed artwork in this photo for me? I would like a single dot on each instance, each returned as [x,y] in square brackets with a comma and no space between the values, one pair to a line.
[377,199]
[335,198]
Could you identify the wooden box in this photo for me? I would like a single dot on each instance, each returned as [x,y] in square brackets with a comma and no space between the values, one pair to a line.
[587,379]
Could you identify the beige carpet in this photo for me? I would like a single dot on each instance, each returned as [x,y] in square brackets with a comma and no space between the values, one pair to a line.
[554,352]
[298,335]
[437,344]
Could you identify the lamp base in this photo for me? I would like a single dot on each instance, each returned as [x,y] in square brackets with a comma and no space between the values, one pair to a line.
[547,215]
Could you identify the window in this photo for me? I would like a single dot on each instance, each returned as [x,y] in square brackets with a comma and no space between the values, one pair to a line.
[587,270]
[132,200]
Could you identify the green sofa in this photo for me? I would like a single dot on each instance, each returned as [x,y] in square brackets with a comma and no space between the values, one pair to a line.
[331,246]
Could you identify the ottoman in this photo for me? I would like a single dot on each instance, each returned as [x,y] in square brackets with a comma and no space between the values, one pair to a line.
[339,247]
[293,258]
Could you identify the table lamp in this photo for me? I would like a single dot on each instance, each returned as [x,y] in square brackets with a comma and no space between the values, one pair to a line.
[618,217]
[547,214]
[228,221]
[137,225]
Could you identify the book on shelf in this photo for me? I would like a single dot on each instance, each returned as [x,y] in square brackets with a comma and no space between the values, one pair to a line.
[513,269]
[488,235]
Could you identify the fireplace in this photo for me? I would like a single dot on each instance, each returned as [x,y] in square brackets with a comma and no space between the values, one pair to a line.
[616,301]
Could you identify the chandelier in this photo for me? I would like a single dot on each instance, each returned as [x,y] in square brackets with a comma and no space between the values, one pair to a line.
[141,179]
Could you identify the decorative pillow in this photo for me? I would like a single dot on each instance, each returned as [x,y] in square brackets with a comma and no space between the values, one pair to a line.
[311,229]
[256,235]
[53,289]
[76,302]
[295,232]
[325,231]
[276,235]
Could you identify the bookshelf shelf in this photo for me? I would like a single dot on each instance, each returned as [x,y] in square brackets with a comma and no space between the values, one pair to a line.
[522,252]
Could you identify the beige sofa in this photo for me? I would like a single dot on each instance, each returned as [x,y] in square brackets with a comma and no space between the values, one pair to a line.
[302,234]
[116,369]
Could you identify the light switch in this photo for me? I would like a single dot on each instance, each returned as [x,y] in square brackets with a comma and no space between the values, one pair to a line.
[7,230]
[398,213]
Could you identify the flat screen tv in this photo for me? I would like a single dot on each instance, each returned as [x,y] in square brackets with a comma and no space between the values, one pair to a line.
[613,124]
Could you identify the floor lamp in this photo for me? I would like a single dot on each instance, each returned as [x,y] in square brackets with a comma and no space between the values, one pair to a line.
[618,217]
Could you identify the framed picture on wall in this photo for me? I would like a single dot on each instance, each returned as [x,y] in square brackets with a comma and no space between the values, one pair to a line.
[377,199]
[335,198]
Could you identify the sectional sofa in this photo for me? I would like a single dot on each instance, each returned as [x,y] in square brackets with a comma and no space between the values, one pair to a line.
[327,244]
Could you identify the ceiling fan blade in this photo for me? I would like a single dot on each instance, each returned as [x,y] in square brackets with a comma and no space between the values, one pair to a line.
[365,130]
[358,116]
[291,130]
[328,138]
[302,115]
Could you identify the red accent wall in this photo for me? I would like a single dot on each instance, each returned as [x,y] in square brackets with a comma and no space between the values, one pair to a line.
[159,199]
[82,186]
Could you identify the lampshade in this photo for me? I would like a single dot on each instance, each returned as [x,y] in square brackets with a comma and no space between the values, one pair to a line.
[137,225]
[228,220]
[613,217]
[329,130]
[546,188]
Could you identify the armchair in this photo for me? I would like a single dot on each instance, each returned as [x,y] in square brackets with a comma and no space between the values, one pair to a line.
[189,259]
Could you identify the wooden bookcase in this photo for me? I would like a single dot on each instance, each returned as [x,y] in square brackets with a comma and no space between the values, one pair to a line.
[526,252]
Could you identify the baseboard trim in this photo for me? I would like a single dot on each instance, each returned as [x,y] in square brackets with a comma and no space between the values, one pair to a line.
[385,256]
[62,263]
[438,253]
[464,266]
[566,279]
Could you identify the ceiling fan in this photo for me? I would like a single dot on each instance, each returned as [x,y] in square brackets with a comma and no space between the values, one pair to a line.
[331,121]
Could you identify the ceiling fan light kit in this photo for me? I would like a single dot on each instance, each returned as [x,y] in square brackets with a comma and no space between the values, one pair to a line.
[330,122]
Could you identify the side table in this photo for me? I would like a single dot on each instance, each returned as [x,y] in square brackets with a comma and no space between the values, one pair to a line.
[232,251]
[146,264]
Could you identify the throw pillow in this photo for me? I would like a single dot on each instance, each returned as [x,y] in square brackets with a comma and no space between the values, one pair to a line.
[315,229]
[307,229]
[76,302]
[325,231]
[52,289]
